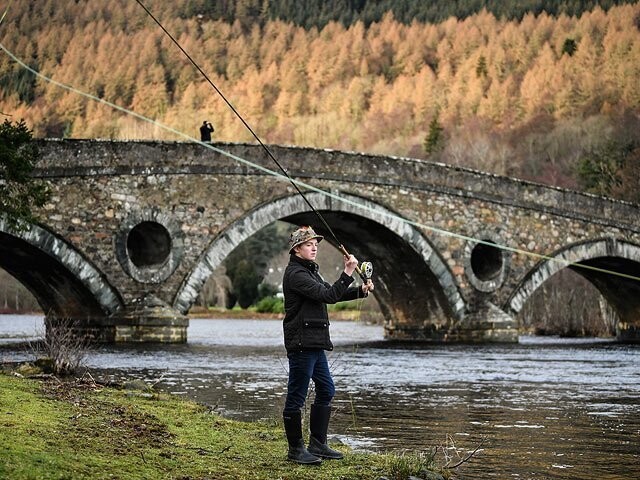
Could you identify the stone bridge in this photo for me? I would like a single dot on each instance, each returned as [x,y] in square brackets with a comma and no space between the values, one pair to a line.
[134,229]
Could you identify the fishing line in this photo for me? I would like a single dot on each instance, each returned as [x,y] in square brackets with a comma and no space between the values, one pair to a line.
[299,183]
[5,12]
[255,135]
[1,20]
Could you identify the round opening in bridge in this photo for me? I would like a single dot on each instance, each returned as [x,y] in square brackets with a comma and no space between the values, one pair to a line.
[148,244]
[486,261]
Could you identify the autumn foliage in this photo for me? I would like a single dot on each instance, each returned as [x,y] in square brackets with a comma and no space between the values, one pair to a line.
[530,98]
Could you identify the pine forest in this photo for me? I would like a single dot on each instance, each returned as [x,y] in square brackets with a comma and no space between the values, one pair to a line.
[541,96]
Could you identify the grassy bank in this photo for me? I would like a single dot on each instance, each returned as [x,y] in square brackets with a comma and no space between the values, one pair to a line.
[77,430]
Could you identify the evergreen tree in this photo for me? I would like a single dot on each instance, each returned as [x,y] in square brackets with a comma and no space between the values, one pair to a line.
[19,192]
[569,46]
[318,14]
[434,142]
[481,67]
[245,282]
[600,170]
[629,175]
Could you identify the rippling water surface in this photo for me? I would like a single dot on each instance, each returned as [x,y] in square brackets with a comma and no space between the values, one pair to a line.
[546,408]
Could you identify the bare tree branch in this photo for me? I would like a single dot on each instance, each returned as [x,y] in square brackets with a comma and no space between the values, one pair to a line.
[468,457]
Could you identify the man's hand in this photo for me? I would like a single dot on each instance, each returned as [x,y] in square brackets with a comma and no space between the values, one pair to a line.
[367,287]
[350,264]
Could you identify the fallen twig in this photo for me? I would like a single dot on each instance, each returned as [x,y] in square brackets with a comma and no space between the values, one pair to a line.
[153,385]
[91,379]
[468,457]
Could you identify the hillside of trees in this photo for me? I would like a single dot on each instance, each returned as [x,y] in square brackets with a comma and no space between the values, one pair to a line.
[548,98]
[318,13]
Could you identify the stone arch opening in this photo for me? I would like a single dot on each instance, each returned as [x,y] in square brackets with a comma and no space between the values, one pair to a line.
[65,284]
[592,260]
[415,289]
[148,244]
[486,265]
[486,261]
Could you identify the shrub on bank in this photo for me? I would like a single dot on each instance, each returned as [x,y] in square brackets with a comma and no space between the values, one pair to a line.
[270,305]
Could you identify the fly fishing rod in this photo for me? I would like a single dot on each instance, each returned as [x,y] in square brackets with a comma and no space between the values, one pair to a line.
[366,267]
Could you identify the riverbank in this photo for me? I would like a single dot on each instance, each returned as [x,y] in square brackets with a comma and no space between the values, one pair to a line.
[201,312]
[79,429]
[250,314]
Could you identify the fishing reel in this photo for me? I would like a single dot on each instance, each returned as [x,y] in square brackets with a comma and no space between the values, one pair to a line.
[366,271]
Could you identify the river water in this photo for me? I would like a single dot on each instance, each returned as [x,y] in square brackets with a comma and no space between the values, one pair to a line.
[543,409]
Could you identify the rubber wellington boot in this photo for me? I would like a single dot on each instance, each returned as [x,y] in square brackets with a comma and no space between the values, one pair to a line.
[297,452]
[318,426]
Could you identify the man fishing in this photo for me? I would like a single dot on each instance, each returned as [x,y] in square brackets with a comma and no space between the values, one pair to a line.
[306,337]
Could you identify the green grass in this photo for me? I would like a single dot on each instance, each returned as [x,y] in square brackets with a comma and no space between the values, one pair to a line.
[77,430]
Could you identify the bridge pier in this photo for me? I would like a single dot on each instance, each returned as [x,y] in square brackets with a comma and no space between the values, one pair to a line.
[627,333]
[488,324]
[145,320]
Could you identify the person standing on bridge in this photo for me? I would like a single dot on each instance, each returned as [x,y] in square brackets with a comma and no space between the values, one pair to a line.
[205,131]
[306,337]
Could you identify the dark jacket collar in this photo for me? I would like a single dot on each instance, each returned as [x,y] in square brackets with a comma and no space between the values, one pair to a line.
[313,266]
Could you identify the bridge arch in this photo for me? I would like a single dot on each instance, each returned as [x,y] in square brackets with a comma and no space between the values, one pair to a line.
[429,291]
[63,281]
[621,292]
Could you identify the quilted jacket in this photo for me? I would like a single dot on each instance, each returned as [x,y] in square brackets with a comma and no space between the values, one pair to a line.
[306,295]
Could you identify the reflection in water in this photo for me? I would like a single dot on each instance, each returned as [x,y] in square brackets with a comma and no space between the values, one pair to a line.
[548,408]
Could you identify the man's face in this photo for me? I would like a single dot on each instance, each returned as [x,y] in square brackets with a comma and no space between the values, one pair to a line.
[307,250]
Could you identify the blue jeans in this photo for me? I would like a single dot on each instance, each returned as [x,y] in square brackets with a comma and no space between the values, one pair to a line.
[303,367]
